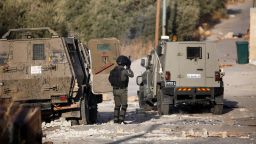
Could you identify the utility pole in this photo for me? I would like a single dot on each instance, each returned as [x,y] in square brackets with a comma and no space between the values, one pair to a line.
[164,18]
[157,22]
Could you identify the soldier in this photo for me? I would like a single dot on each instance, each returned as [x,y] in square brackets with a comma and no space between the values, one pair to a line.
[119,79]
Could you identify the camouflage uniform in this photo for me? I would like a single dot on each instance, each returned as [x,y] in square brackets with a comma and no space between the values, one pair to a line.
[120,96]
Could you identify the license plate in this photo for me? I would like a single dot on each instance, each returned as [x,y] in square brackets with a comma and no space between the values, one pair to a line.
[170,83]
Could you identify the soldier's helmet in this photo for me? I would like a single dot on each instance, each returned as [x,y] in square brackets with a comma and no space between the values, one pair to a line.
[122,60]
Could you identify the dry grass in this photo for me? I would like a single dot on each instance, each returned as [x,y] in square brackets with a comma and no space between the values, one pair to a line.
[235,1]
[137,48]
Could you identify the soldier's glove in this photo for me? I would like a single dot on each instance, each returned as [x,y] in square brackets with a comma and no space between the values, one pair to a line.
[128,63]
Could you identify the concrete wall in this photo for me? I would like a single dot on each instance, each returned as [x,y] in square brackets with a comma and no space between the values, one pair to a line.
[252,48]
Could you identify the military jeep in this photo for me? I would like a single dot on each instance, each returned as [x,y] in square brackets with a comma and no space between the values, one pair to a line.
[179,73]
[58,74]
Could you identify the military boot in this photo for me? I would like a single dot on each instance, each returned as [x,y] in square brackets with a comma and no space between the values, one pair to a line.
[122,113]
[116,114]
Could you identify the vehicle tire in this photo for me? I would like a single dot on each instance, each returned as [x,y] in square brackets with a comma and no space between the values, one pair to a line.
[93,114]
[163,109]
[84,111]
[74,122]
[142,102]
[217,109]
[171,109]
[147,107]
[93,108]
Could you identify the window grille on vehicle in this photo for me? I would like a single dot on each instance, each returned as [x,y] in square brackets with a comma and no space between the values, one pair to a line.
[104,47]
[3,58]
[194,52]
[38,52]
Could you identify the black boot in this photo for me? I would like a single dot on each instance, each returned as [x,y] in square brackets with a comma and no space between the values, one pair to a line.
[122,114]
[116,114]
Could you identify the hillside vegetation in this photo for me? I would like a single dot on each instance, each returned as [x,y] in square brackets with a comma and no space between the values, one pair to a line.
[128,20]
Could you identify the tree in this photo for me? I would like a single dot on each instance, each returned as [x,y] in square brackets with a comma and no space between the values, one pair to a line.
[209,7]
[124,19]
[46,13]
[101,18]
[183,18]
[12,14]
[32,13]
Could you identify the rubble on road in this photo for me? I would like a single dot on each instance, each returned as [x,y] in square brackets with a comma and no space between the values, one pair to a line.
[61,122]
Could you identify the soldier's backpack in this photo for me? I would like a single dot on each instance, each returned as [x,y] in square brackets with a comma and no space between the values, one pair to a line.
[115,78]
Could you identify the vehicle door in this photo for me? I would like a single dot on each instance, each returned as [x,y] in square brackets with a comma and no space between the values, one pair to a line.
[191,64]
[104,53]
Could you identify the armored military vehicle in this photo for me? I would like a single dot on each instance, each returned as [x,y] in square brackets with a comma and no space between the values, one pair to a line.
[56,73]
[181,73]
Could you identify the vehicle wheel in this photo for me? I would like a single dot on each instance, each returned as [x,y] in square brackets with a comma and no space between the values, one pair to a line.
[142,103]
[147,107]
[171,109]
[217,109]
[163,109]
[140,96]
[93,114]
[84,112]
[74,122]
[93,108]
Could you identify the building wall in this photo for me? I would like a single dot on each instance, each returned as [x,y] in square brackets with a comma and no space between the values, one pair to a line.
[252,48]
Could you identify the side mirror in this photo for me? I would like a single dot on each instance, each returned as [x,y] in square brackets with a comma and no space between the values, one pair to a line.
[159,50]
[139,80]
[162,52]
[143,62]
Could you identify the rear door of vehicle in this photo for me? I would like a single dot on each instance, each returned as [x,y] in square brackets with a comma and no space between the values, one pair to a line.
[191,64]
[104,53]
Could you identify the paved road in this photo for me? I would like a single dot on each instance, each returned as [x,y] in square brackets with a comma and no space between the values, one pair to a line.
[237,23]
